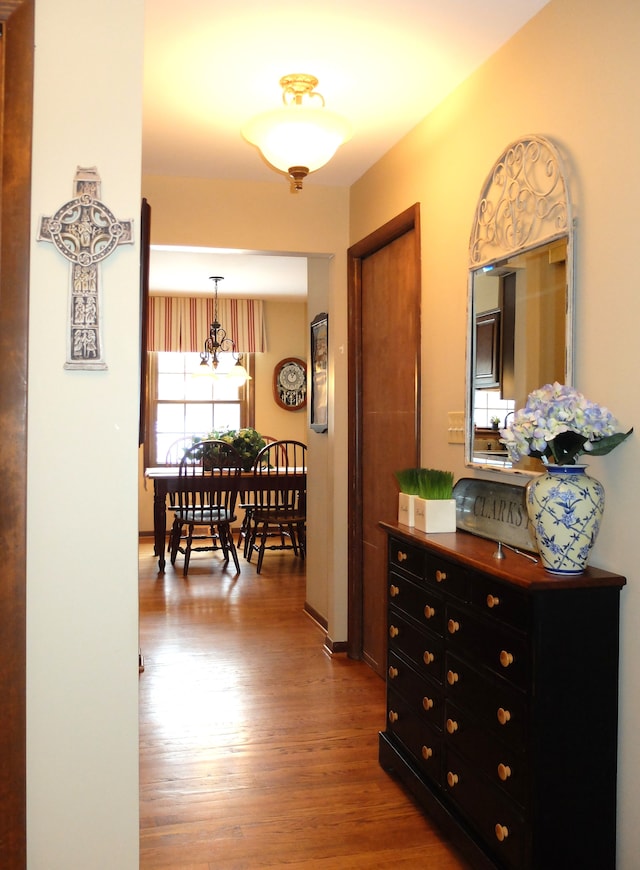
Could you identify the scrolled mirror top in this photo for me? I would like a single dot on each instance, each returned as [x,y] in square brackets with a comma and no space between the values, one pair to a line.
[521,288]
[524,202]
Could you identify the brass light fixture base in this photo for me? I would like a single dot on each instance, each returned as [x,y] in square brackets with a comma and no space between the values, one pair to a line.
[296,85]
[297,174]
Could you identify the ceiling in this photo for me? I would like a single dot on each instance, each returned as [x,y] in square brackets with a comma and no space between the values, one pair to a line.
[247,275]
[210,65]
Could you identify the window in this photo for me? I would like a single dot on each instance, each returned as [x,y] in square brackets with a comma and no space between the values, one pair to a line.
[183,403]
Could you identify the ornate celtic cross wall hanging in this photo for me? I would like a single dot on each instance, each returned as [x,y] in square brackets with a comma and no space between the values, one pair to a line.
[85,232]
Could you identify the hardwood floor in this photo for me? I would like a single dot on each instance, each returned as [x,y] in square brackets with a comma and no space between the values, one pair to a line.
[257,749]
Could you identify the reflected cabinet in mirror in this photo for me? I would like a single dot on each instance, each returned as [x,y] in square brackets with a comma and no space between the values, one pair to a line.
[520,296]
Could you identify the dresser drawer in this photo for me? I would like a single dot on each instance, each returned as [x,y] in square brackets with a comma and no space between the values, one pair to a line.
[422,648]
[505,603]
[500,764]
[448,577]
[488,645]
[418,601]
[406,557]
[495,818]
[495,703]
[424,696]
[423,743]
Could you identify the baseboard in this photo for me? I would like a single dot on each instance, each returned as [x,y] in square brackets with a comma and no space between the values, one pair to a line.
[310,611]
[334,647]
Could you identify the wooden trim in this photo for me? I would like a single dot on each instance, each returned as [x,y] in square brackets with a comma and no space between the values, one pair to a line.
[317,617]
[335,647]
[15,220]
[405,222]
[145,250]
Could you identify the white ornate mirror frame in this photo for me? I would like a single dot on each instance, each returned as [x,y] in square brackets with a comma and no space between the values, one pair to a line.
[523,210]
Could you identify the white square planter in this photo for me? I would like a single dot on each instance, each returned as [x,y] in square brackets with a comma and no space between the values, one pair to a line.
[435,515]
[406,504]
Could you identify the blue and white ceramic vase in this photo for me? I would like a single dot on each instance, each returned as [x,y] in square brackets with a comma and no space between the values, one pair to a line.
[565,507]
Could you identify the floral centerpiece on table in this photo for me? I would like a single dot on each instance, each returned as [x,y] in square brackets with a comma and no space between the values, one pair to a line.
[247,441]
[559,424]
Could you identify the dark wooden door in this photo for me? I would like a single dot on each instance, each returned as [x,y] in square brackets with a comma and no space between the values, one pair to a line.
[384,366]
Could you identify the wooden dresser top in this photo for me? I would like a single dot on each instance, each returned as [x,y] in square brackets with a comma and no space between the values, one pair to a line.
[477,553]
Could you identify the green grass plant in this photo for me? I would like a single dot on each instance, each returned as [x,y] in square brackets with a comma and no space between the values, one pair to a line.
[426,483]
[408,480]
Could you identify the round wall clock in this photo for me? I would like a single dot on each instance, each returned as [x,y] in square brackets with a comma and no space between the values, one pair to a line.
[290,384]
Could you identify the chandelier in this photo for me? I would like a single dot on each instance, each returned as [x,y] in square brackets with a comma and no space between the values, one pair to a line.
[217,343]
[303,135]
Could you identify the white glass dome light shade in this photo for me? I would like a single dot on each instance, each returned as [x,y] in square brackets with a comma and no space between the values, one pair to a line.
[298,136]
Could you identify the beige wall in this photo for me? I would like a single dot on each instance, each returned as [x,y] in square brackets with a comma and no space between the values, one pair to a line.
[82,554]
[571,74]
[286,325]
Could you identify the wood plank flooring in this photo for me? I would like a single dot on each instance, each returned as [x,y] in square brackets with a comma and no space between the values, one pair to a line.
[257,749]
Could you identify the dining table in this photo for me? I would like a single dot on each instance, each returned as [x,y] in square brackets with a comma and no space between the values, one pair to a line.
[166,479]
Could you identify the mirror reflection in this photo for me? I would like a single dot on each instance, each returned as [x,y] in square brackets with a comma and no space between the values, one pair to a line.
[519,315]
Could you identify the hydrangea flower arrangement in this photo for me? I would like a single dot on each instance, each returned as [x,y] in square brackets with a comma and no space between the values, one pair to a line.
[559,424]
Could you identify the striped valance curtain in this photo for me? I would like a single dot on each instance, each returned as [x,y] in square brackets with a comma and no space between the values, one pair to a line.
[182,323]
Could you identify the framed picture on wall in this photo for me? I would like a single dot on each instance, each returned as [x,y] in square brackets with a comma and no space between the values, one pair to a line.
[318,415]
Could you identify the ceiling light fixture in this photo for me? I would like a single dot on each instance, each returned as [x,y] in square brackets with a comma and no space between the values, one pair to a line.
[303,135]
[218,343]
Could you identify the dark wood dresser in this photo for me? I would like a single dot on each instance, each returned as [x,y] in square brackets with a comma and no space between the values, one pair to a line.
[502,701]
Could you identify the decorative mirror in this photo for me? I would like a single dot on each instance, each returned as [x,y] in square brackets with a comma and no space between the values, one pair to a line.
[520,327]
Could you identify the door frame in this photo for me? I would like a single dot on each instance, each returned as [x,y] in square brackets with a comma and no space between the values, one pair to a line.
[15,229]
[405,222]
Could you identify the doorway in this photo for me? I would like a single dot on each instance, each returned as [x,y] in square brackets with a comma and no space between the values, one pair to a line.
[384,382]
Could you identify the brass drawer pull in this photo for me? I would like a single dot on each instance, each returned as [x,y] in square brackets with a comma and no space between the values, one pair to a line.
[492,600]
[452,626]
[452,779]
[502,832]
[429,612]
[427,703]
[401,557]
[393,672]
[504,772]
[428,657]
[504,716]
[440,576]
[394,631]
[427,752]
[506,658]
[452,677]
[393,716]
[452,726]
[393,591]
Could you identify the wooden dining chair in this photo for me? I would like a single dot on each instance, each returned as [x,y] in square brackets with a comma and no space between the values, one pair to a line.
[246,505]
[206,498]
[173,456]
[278,520]
[177,449]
